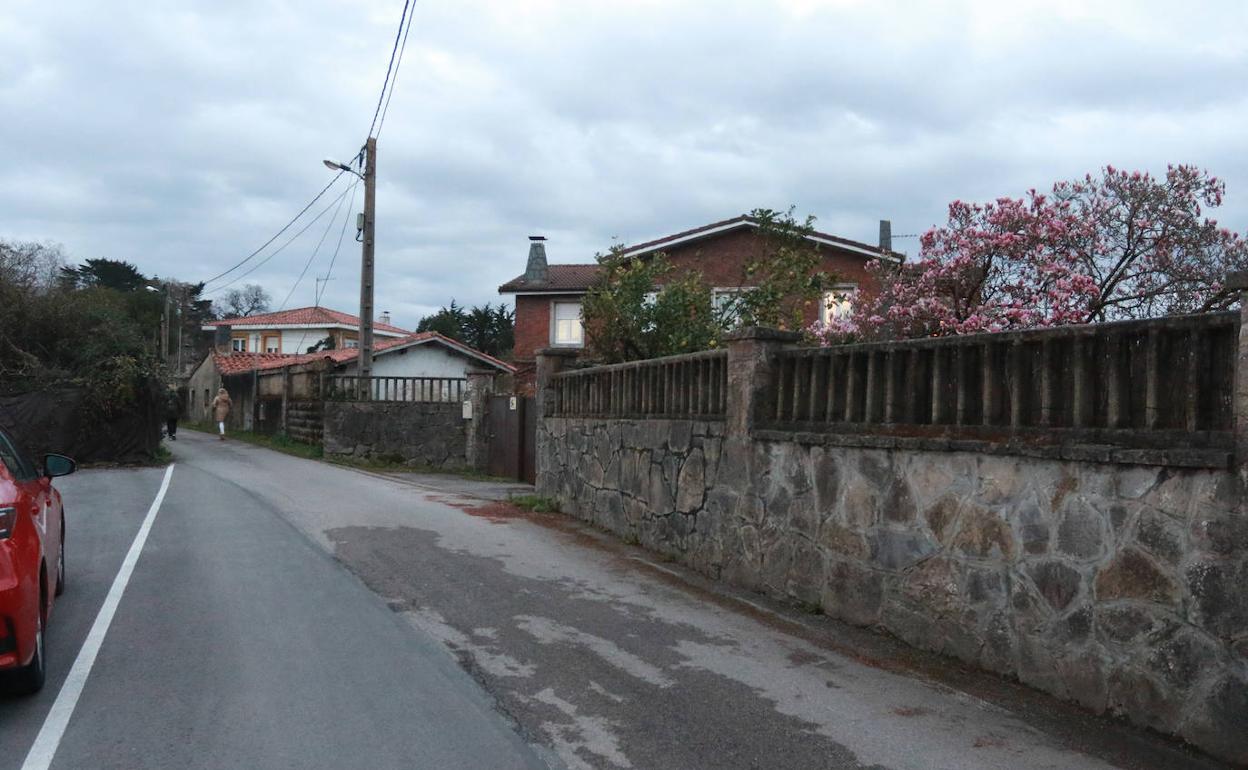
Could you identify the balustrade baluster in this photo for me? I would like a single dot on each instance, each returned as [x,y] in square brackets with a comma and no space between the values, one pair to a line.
[872,388]
[1115,408]
[940,408]
[1152,380]
[1048,379]
[990,387]
[1015,363]
[1192,380]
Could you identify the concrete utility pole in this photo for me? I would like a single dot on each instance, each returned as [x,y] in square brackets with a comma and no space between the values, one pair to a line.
[366,264]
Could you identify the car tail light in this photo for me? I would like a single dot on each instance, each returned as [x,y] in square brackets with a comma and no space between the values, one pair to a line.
[8,516]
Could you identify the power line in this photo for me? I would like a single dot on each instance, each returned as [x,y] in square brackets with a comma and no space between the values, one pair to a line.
[397,65]
[328,226]
[393,51]
[285,227]
[279,249]
[334,259]
[323,283]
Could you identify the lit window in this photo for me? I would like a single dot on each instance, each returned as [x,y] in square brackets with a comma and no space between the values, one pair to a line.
[568,329]
[239,344]
[838,303]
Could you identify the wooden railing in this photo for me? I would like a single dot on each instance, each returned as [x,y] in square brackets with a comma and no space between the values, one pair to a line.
[688,386]
[341,387]
[1159,382]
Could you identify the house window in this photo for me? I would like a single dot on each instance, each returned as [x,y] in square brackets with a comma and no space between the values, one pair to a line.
[722,300]
[568,330]
[351,344]
[273,344]
[239,344]
[837,303]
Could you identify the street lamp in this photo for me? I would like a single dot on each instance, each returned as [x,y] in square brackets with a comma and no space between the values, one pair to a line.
[365,365]
[334,165]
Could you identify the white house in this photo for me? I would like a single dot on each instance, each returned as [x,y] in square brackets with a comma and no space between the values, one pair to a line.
[292,332]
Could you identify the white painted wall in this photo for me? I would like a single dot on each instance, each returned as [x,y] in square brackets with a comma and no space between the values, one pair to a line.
[427,360]
[299,340]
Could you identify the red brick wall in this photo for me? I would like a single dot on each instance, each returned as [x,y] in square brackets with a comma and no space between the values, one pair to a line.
[721,261]
[532,326]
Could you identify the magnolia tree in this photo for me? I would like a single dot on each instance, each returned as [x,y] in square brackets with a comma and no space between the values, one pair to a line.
[1124,245]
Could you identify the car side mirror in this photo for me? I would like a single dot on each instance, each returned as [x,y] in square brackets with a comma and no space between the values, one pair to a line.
[58,465]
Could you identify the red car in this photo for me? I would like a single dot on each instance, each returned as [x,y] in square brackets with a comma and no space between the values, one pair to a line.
[32,560]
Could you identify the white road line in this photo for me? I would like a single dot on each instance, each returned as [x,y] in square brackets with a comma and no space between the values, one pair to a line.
[49,738]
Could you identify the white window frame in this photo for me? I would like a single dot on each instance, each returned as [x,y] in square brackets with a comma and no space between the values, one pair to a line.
[555,341]
[836,302]
[238,344]
[277,349]
[719,293]
[351,344]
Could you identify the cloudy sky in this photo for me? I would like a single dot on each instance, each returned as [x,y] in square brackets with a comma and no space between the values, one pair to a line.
[182,135]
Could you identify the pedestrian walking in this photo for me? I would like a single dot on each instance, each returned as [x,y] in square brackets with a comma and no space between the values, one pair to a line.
[173,410]
[221,410]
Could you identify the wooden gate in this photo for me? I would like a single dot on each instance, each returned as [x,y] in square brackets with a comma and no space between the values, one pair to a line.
[512,424]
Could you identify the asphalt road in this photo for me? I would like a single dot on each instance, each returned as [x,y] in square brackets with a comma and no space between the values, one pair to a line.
[240,644]
[289,613]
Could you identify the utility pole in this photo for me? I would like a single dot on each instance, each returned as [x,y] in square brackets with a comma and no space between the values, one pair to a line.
[366,265]
[165,328]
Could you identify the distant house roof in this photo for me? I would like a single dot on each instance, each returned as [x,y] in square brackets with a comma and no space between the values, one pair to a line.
[304,317]
[236,363]
[577,278]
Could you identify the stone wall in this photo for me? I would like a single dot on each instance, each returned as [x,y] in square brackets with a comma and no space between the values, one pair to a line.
[1120,587]
[420,434]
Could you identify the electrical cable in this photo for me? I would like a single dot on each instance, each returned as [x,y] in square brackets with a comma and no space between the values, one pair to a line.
[285,227]
[334,259]
[279,249]
[320,291]
[395,78]
[328,226]
[381,97]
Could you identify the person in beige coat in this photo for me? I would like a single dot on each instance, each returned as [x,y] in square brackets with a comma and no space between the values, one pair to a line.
[221,410]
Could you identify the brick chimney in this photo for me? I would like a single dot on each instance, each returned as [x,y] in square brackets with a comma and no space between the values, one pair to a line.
[886,235]
[536,271]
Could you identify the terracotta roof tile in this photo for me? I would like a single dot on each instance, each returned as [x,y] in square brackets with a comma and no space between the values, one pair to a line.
[559,278]
[235,363]
[304,316]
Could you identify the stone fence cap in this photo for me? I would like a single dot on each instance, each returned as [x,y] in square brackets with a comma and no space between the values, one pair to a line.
[763,333]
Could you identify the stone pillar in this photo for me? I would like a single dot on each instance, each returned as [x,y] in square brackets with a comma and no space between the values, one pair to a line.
[550,361]
[480,388]
[751,358]
[285,400]
[1238,281]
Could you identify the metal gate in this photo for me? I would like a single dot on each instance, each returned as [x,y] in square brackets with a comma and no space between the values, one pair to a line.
[512,424]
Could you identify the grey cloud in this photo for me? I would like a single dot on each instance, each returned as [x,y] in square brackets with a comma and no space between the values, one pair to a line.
[181,137]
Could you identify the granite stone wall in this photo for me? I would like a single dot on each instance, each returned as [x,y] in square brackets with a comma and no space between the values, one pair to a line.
[420,434]
[1121,587]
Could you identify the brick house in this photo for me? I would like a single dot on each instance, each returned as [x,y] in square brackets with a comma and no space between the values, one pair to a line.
[548,297]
